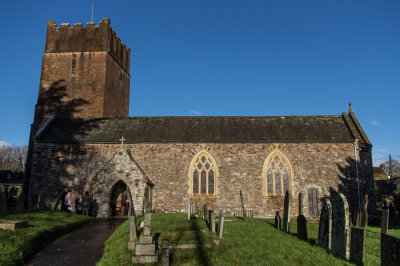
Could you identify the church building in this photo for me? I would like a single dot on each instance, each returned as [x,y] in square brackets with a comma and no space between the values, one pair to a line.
[83,138]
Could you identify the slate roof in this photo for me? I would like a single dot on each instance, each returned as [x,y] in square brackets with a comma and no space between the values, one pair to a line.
[233,129]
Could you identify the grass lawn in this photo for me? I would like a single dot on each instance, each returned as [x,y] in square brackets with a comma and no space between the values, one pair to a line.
[251,241]
[17,247]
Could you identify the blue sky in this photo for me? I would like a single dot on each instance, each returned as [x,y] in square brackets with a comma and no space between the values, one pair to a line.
[226,58]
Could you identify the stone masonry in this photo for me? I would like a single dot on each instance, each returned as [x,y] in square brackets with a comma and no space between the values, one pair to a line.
[95,167]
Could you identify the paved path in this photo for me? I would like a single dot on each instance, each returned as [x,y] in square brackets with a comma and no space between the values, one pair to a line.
[82,247]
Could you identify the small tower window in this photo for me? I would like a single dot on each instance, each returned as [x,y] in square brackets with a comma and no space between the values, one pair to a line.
[119,74]
[73,64]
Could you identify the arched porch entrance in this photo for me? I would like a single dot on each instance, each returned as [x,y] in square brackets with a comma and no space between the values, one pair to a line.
[119,199]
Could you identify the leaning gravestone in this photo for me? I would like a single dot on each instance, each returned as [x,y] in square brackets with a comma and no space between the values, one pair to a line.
[357,246]
[340,226]
[3,203]
[301,221]
[145,251]
[286,213]
[385,220]
[390,250]
[325,225]
[278,221]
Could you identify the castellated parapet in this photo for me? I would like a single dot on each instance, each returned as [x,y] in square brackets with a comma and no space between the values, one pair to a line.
[91,38]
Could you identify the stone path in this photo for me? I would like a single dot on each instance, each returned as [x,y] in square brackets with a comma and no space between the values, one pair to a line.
[82,247]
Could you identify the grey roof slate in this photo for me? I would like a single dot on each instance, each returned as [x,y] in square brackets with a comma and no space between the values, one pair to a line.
[230,129]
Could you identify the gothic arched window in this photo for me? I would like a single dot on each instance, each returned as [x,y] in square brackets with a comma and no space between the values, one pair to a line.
[203,174]
[277,174]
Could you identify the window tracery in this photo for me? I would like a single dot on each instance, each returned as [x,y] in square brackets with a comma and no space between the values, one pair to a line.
[203,174]
[277,174]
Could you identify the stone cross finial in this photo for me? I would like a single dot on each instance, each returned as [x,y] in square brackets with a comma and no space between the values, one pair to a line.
[350,109]
[122,141]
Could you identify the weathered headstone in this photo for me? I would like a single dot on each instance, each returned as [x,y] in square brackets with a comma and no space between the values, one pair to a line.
[278,221]
[286,213]
[221,225]
[205,212]
[3,203]
[145,251]
[188,211]
[212,218]
[132,229]
[301,221]
[364,214]
[194,206]
[325,225]
[340,226]
[165,253]
[20,203]
[390,250]
[385,220]
[357,246]
[57,202]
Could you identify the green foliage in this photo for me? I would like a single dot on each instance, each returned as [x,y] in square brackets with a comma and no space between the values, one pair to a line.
[17,247]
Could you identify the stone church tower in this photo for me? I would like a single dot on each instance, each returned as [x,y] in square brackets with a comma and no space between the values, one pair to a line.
[85,73]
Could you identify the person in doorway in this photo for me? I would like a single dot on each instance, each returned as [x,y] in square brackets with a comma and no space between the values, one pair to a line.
[63,194]
[86,202]
[126,210]
[68,201]
[78,204]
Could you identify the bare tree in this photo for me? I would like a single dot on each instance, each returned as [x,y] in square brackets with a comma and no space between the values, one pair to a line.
[12,158]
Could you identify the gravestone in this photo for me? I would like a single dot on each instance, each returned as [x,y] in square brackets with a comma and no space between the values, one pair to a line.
[205,213]
[145,251]
[132,229]
[20,203]
[301,221]
[340,226]
[357,246]
[390,250]
[194,206]
[221,225]
[385,220]
[188,211]
[277,221]
[3,203]
[165,253]
[325,225]
[364,214]
[286,213]
[212,218]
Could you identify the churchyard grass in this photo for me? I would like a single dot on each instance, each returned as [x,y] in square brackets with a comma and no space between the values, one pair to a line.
[17,247]
[250,241]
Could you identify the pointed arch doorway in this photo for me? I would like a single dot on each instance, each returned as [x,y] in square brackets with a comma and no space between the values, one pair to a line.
[119,195]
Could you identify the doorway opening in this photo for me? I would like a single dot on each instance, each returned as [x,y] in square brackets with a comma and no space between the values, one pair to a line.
[119,200]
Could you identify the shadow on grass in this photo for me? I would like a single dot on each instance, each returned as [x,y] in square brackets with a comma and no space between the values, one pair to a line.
[200,249]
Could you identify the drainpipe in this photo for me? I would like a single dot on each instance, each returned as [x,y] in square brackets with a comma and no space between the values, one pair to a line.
[358,180]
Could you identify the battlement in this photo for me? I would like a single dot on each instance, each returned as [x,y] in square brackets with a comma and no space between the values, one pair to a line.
[91,38]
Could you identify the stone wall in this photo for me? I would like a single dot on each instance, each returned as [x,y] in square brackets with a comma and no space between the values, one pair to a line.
[324,167]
